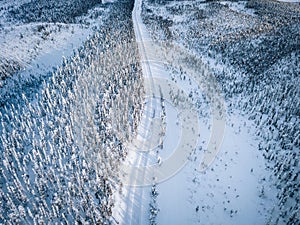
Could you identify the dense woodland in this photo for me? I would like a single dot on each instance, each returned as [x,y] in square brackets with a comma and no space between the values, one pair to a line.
[61,146]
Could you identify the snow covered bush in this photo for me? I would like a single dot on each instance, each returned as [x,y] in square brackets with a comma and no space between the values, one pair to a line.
[154,210]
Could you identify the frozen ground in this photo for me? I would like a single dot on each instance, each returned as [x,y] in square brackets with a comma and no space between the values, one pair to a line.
[288,0]
[183,112]
[248,46]
[30,50]
[235,186]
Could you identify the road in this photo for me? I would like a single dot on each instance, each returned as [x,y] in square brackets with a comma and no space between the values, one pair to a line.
[169,150]
[148,161]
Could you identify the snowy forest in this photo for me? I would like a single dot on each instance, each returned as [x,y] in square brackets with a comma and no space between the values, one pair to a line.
[77,92]
[53,168]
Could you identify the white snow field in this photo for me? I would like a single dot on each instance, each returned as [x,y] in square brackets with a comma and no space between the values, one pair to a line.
[137,112]
[231,190]
[288,0]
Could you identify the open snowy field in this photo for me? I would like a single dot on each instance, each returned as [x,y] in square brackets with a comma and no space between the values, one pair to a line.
[252,50]
[140,112]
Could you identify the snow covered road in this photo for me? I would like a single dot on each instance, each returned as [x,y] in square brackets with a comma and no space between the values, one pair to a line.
[174,139]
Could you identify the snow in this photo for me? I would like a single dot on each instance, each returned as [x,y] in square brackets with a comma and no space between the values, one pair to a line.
[21,43]
[288,0]
[237,45]
[239,6]
[46,140]
[222,191]
[34,42]
[196,157]
[38,48]
[228,179]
